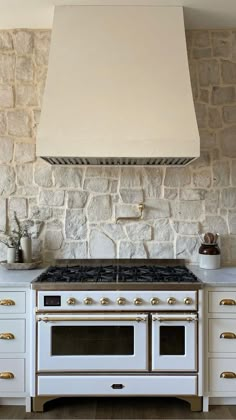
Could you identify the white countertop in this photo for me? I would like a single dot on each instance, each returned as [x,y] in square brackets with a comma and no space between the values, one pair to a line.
[18,278]
[225,276]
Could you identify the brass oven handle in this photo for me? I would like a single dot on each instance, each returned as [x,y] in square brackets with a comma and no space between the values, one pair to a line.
[228,375]
[6,375]
[162,318]
[52,319]
[227,335]
[7,302]
[7,336]
[227,302]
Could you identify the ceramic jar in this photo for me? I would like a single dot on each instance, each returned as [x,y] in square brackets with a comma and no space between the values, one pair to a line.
[209,256]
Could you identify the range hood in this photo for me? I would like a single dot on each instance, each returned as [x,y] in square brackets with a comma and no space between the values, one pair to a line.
[118,88]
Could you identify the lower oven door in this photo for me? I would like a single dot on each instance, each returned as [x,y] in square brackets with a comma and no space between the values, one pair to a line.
[174,342]
[93,342]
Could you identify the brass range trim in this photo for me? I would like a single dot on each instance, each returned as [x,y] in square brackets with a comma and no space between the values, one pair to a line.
[71,318]
[166,319]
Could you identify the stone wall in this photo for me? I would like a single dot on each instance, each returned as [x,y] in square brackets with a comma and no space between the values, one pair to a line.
[74,208]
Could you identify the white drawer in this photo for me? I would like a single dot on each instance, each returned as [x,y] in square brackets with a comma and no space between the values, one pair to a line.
[216,368]
[15,300]
[219,330]
[12,336]
[217,298]
[16,367]
[117,385]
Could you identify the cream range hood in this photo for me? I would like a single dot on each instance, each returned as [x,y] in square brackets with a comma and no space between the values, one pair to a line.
[118,88]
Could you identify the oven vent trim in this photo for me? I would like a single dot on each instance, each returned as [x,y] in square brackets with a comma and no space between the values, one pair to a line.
[124,161]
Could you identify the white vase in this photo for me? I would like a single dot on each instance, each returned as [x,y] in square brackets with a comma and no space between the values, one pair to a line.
[11,254]
[26,247]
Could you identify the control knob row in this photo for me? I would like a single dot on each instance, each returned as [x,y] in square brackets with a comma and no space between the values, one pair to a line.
[122,301]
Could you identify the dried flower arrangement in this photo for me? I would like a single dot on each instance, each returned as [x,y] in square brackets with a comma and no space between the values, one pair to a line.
[12,238]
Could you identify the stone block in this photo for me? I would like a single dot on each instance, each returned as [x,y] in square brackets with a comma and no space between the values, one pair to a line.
[77,199]
[18,205]
[234,46]
[109,172]
[75,224]
[19,123]
[232,222]
[177,177]
[233,172]
[24,69]
[53,239]
[70,177]
[187,210]
[127,210]
[223,95]
[24,174]
[139,231]
[204,95]
[6,149]
[187,248]
[199,53]
[160,250]
[221,47]
[227,141]
[212,201]
[201,114]
[186,228]
[72,250]
[170,193]
[23,42]
[221,174]
[114,231]
[26,95]
[114,186]
[229,114]
[132,250]
[43,175]
[214,118]
[130,177]
[207,139]
[215,224]
[202,178]
[93,171]
[97,185]
[5,41]
[131,196]
[228,197]
[99,208]
[100,246]
[201,39]
[228,70]
[42,45]
[156,209]
[7,68]
[152,180]
[3,214]
[51,198]
[24,152]
[40,213]
[7,180]
[208,72]
[6,96]
[163,230]
[3,252]
[192,194]
[202,162]
[3,123]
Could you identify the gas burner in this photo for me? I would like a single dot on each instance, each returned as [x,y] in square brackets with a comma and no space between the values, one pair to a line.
[118,273]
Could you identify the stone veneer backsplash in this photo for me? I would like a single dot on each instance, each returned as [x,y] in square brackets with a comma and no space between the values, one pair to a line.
[74,208]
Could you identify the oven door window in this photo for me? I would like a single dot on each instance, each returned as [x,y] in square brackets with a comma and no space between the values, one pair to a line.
[92,340]
[172,340]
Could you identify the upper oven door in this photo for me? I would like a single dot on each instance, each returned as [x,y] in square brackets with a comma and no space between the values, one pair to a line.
[92,342]
[174,342]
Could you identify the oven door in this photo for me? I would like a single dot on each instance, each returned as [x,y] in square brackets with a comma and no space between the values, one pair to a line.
[92,342]
[174,342]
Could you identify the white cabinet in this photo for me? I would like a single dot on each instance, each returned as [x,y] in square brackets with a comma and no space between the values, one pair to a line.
[14,346]
[220,345]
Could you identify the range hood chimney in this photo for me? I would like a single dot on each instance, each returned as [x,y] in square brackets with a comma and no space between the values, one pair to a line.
[118,88]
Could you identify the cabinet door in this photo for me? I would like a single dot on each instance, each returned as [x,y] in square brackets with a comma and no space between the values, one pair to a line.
[222,335]
[222,302]
[221,375]
[12,302]
[12,375]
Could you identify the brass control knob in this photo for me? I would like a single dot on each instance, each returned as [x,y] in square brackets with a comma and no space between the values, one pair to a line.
[138,301]
[70,301]
[154,301]
[88,301]
[121,301]
[171,301]
[188,301]
[104,301]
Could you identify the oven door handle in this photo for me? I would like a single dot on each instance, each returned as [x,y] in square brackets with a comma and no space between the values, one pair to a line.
[92,318]
[174,319]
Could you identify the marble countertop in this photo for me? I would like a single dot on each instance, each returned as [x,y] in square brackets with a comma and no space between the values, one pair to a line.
[225,276]
[18,278]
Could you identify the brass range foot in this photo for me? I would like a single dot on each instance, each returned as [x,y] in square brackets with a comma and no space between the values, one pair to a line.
[38,402]
[195,402]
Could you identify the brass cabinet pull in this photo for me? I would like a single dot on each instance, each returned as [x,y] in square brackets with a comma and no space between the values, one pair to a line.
[228,335]
[227,302]
[7,302]
[7,336]
[228,375]
[6,375]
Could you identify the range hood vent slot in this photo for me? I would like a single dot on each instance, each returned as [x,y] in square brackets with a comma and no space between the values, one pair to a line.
[180,161]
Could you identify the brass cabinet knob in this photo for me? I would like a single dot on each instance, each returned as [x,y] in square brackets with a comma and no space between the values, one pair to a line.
[121,301]
[228,335]
[171,301]
[138,301]
[228,375]
[7,302]
[154,301]
[104,301]
[88,301]
[70,301]
[227,302]
[7,336]
[6,375]
[188,301]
